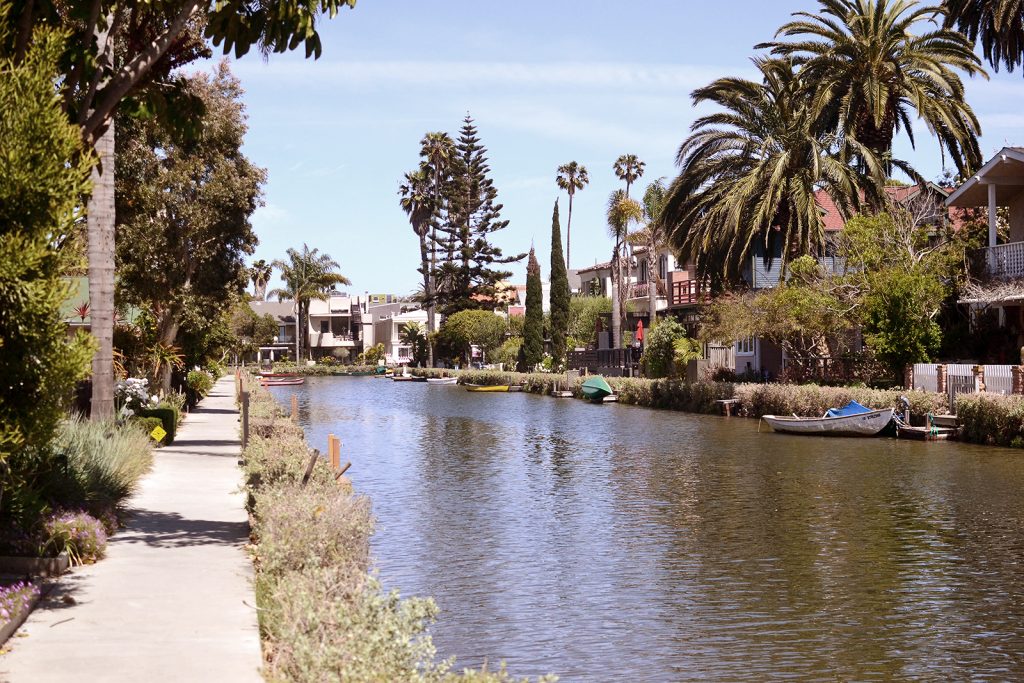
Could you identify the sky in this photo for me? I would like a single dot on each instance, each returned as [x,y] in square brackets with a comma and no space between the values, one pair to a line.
[546,82]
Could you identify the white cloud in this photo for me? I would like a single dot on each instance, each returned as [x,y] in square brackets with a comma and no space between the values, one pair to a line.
[414,74]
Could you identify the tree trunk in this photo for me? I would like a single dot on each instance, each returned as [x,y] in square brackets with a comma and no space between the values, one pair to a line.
[568,233]
[167,335]
[101,276]
[616,307]
[428,292]
[652,285]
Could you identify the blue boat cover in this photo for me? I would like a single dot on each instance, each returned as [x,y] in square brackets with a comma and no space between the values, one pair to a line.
[851,408]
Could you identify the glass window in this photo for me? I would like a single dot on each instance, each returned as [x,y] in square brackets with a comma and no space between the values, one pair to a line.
[663,267]
[745,346]
[325,326]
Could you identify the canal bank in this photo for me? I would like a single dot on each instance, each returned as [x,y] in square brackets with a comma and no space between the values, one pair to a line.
[659,545]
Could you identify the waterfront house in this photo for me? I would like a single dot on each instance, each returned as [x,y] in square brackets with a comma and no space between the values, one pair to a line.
[283,312]
[383,325]
[334,325]
[997,191]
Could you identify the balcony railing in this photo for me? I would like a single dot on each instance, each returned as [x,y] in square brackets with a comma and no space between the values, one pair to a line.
[1005,261]
[686,292]
[642,290]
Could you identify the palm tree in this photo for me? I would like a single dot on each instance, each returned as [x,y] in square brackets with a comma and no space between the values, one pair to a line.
[571,178]
[652,238]
[437,150]
[999,24]
[621,212]
[418,203]
[413,335]
[307,275]
[751,172]
[629,169]
[260,273]
[872,63]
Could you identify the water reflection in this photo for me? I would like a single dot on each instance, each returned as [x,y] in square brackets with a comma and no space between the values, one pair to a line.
[617,543]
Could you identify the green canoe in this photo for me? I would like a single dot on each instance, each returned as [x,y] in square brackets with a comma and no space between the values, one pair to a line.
[596,388]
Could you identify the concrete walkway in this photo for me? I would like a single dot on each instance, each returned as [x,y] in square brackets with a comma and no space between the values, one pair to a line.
[173,600]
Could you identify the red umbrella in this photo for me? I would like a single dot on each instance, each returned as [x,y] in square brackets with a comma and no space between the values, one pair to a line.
[639,330]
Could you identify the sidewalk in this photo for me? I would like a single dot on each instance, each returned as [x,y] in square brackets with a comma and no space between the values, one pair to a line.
[173,600]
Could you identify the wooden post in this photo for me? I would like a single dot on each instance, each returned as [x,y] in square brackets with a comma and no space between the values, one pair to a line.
[940,379]
[295,408]
[245,419]
[1017,372]
[334,451]
[314,455]
[979,378]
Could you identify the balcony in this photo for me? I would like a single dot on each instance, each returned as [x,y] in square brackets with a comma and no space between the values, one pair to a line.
[686,292]
[326,340]
[1004,261]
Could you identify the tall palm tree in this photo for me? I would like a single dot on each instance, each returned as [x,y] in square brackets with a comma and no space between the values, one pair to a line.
[652,238]
[998,24]
[750,172]
[437,150]
[621,212]
[260,272]
[307,275]
[874,62]
[571,178]
[629,169]
[418,203]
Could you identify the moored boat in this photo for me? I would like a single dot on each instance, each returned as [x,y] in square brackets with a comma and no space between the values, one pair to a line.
[442,380]
[853,419]
[596,388]
[282,381]
[279,374]
[487,387]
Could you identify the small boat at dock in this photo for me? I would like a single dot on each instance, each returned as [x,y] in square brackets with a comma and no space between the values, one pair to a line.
[487,387]
[274,375]
[282,381]
[853,419]
[597,388]
[442,381]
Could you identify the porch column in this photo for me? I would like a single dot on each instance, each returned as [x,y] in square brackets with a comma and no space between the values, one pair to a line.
[991,215]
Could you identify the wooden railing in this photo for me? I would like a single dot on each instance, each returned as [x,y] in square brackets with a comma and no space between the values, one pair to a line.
[1005,261]
[686,292]
[594,360]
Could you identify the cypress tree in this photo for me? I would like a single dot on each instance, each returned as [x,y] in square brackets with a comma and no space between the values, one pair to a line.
[532,350]
[468,276]
[559,294]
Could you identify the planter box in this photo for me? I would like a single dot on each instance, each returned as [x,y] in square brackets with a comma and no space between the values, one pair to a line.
[7,630]
[35,566]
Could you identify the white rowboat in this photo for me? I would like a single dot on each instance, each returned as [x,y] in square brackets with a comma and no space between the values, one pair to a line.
[442,380]
[870,423]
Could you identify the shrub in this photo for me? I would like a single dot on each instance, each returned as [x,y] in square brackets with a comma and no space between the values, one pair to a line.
[994,420]
[16,599]
[79,534]
[104,463]
[168,417]
[178,401]
[200,382]
[659,348]
[147,424]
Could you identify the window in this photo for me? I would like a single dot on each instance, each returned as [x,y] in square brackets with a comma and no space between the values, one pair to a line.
[325,326]
[643,272]
[745,347]
[403,351]
[663,267]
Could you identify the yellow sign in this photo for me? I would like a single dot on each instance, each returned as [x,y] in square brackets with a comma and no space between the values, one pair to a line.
[158,433]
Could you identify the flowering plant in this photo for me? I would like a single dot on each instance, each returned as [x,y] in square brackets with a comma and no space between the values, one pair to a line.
[78,533]
[133,395]
[16,598]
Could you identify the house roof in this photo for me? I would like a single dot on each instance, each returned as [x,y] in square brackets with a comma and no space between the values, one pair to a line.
[594,268]
[283,311]
[1005,170]
[833,217]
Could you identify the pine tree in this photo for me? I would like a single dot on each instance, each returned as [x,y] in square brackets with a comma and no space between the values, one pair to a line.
[532,350]
[467,277]
[559,293]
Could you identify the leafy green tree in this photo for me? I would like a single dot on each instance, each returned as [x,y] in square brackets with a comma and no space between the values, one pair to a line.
[127,52]
[749,174]
[183,210]
[250,331]
[43,175]
[584,312]
[469,328]
[997,24]
[664,342]
[532,351]
[508,353]
[873,63]
[559,295]
[307,275]
[468,278]
[413,334]
[572,177]
[621,212]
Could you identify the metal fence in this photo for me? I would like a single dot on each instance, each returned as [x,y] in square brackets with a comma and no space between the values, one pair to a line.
[998,379]
[926,376]
[959,380]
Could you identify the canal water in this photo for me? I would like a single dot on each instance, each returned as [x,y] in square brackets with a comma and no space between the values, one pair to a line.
[615,543]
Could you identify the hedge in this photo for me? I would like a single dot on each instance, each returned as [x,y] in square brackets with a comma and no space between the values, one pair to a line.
[994,420]
[168,417]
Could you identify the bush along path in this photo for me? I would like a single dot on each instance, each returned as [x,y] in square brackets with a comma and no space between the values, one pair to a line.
[173,600]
